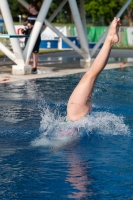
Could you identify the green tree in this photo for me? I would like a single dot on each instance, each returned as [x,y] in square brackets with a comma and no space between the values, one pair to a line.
[103,9]
[16,8]
[129,14]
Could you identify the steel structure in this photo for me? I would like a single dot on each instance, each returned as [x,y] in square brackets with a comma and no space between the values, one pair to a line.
[20,58]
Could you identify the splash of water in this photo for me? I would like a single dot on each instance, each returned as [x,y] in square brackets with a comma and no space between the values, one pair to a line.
[54,132]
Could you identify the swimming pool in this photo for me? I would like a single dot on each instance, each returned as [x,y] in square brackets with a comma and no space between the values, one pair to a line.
[37,161]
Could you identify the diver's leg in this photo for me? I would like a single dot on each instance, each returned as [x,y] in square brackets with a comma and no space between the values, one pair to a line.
[79,101]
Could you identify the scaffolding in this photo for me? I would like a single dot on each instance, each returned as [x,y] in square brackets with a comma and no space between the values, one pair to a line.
[20,58]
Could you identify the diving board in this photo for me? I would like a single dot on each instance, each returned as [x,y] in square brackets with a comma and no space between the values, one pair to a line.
[13,36]
[21,58]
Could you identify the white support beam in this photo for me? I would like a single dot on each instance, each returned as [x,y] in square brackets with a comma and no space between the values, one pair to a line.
[83,17]
[11,31]
[57,10]
[81,34]
[54,14]
[71,44]
[105,33]
[36,29]
[79,27]
[7,52]
[24,3]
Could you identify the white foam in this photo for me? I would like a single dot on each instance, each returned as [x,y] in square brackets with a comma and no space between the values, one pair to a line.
[107,123]
[54,132]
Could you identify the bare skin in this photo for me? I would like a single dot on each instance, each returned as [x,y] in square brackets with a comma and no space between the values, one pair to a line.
[79,103]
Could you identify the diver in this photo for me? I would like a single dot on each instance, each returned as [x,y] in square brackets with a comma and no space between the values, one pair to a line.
[79,103]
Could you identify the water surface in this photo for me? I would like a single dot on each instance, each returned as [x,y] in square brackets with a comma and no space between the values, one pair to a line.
[38,160]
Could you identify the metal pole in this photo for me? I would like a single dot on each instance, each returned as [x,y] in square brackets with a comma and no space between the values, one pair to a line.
[24,3]
[19,19]
[11,31]
[105,33]
[36,29]
[57,11]
[1,24]
[83,16]
[54,13]
[7,52]
[79,27]
[71,44]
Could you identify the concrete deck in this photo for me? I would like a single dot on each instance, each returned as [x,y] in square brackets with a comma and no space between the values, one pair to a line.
[59,67]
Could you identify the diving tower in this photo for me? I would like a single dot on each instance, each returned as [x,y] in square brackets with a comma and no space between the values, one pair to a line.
[20,58]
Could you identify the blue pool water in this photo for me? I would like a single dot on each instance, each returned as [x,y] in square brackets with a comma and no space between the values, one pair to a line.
[38,161]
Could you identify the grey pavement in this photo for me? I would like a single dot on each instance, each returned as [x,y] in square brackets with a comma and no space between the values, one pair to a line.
[61,63]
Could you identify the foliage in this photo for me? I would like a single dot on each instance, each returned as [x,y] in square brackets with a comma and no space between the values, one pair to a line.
[16,8]
[103,9]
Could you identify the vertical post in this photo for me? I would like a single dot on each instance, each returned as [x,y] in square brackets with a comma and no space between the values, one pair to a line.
[83,16]
[7,52]
[11,30]
[19,16]
[60,43]
[79,27]
[81,34]
[36,29]
[1,24]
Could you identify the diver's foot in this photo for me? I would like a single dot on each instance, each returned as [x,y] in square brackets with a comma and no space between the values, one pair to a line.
[112,36]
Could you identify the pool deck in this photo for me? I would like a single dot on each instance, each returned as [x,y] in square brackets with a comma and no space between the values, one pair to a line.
[56,67]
